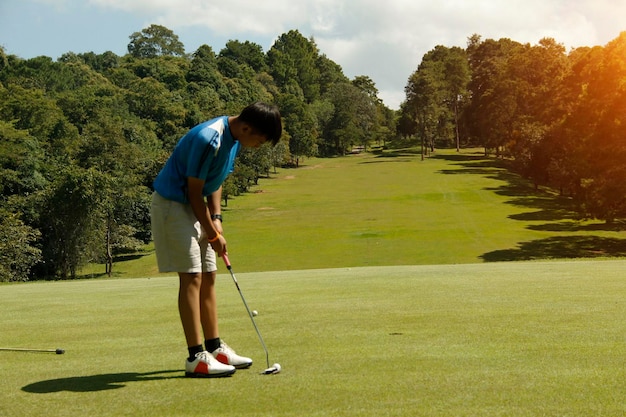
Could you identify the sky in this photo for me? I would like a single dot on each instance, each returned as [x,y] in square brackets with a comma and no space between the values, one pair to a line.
[382,39]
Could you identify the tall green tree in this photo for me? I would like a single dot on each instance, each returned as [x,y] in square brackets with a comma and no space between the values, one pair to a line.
[436,93]
[293,60]
[493,108]
[346,126]
[456,77]
[425,97]
[367,111]
[206,88]
[538,72]
[331,73]
[72,221]
[155,41]
[596,124]
[300,123]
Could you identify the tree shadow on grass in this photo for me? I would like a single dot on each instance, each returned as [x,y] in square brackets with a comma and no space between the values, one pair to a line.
[550,206]
[119,258]
[558,214]
[473,164]
[574,226]
[93,383]
[561,247]
[464,157]
[395,155]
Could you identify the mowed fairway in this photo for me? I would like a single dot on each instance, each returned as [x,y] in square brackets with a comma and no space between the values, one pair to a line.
[368,210]
[499,339]
[381,291]
[394,209]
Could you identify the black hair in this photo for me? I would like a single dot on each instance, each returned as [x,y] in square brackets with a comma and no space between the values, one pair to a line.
[265,119]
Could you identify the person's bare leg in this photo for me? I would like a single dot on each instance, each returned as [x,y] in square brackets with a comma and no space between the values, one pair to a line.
[208,306]
[189,307]
[208,301]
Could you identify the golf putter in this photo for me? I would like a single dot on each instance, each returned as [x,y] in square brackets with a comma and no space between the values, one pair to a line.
[276,368]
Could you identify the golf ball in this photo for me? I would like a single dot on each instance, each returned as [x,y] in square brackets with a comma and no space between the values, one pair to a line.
[255,313]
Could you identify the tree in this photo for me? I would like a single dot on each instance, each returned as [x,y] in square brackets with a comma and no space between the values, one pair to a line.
[425,97]
[422,105]
[387,124]
[98,62]
[300,123]
[21,175]
[348,124]
[22,171]
[456,79]
[493,106]
[293,58]
[18,251]
[246,53]
[597,123]
[538,72]
[204,72]
[206,86]
[4,62]
[72,221]
[366,85]
[33,110]
[330,74]
[366,112]
[168,70]
[155,41]
[435,96]
[258,160]
[377,119]
[149,99]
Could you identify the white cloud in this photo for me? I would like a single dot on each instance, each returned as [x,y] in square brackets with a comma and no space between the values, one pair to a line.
[382,39]
[236,17]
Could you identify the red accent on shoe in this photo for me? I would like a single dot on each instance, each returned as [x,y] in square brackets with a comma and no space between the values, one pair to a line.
[222,358]
[202,368]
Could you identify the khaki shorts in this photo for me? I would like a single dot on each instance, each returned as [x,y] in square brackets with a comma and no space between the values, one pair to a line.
[180,243]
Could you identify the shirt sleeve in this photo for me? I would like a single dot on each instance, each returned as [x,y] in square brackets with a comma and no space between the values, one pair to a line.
[201,152]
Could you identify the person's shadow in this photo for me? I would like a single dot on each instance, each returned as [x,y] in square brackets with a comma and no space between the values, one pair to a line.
[97,382]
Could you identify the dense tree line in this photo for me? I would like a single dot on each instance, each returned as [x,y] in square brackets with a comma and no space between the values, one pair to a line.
[82,137]
[559,117]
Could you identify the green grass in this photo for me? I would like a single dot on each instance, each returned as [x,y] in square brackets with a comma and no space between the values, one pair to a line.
[491,339]
[394,209]
[380,290]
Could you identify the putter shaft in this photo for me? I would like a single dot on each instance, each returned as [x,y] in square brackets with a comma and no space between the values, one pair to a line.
[232,274]
[58,351]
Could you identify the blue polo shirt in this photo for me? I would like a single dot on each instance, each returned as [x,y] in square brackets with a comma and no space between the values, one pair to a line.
[207,152]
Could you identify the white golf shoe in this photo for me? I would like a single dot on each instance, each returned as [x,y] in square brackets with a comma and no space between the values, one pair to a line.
[206,366]
[225,354]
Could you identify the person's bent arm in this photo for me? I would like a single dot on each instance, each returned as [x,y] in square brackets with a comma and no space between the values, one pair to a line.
[202,213]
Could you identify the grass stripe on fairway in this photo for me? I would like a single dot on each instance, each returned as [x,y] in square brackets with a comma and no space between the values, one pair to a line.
[491,339]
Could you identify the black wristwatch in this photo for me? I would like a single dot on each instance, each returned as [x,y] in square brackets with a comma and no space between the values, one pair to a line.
[216,217]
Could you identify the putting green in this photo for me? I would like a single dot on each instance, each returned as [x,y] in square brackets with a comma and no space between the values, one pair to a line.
[516,338]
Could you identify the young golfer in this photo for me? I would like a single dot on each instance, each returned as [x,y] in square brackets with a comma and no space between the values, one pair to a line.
[187,225]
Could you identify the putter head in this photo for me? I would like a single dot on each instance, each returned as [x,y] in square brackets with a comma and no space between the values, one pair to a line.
[274,369]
